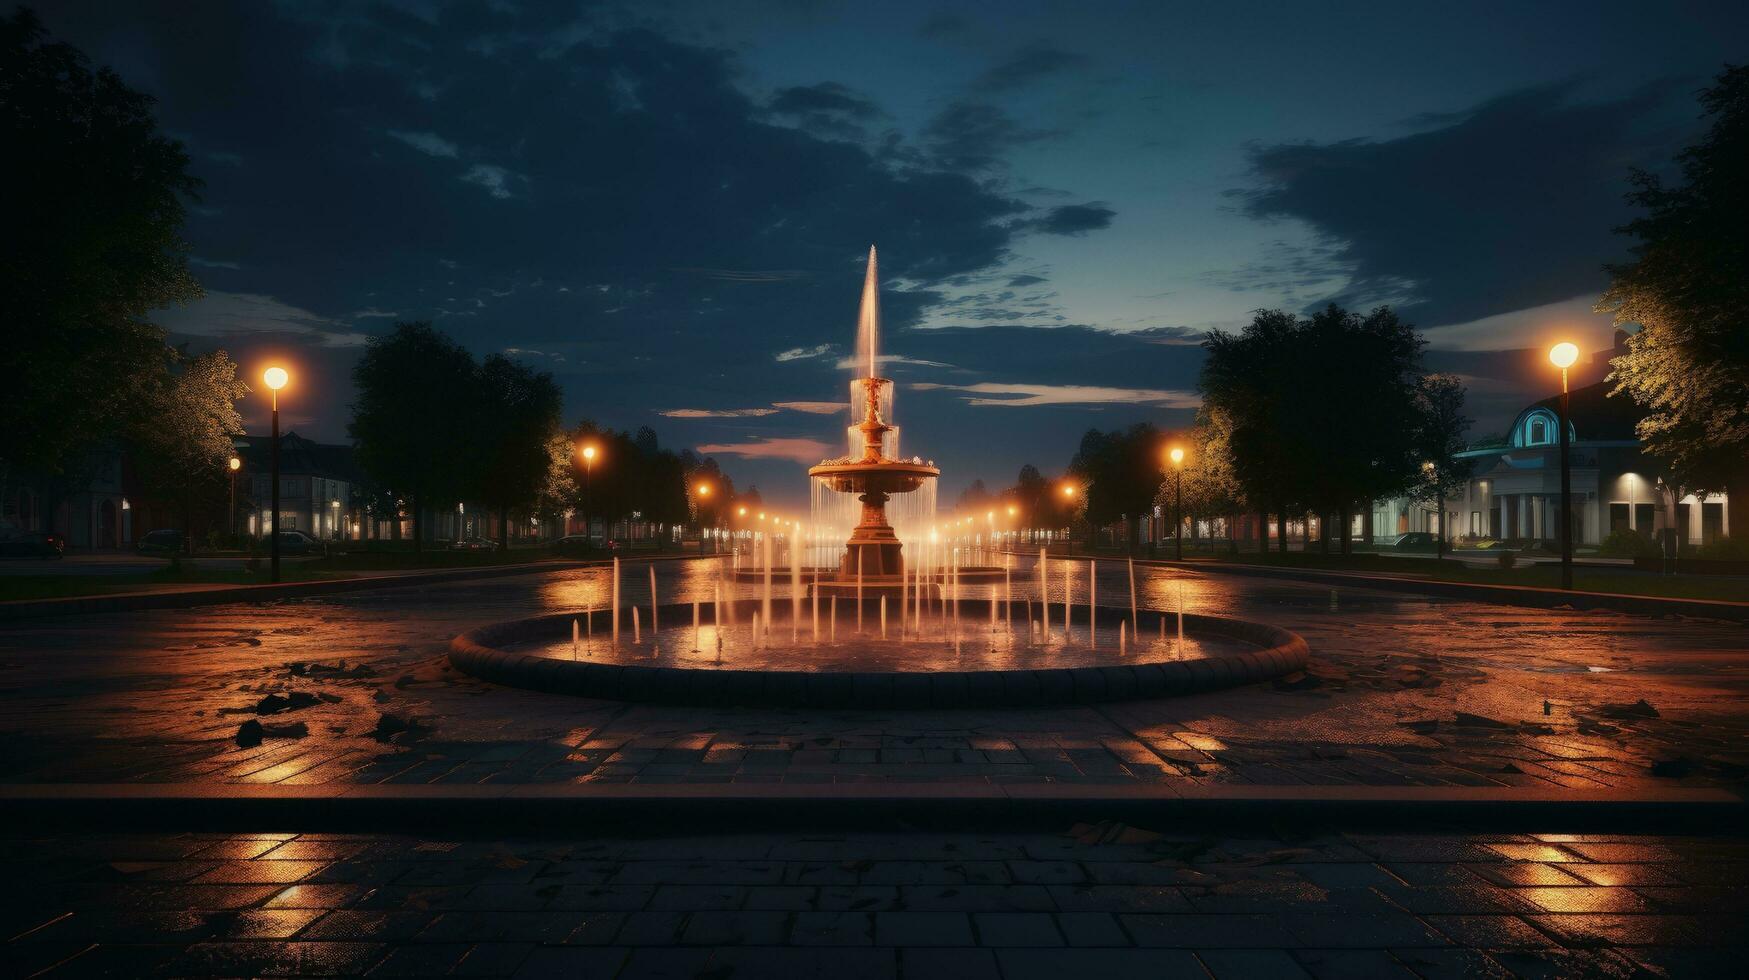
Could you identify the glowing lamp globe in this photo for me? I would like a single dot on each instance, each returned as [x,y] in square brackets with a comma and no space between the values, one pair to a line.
[235,464]
[276,378]
[1563,355]
[1177,455]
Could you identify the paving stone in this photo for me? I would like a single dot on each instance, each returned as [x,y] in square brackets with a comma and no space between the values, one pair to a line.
[1241,964]
[923,929]
[1115,964]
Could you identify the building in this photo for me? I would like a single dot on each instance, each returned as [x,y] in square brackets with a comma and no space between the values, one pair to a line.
[88,506]
[1514,494]
[318,487]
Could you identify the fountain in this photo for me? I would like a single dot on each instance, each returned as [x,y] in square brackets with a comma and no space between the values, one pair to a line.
[873,562]
[962,638]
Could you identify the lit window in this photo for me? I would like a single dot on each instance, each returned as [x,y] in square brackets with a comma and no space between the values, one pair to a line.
[1538,432]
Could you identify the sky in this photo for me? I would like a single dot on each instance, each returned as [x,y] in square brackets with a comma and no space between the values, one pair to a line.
[668,205]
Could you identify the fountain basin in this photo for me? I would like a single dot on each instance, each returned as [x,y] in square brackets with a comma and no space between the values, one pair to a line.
[867,672]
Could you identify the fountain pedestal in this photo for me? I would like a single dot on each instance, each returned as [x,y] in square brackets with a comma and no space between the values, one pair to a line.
[873,554]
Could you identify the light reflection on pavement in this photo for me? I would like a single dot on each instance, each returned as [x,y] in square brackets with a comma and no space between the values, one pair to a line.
[1403,690]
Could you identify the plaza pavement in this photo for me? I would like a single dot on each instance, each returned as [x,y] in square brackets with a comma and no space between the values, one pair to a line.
[1403,691]
[1105,900]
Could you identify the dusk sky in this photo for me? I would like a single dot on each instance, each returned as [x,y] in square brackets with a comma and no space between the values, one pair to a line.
[667,205]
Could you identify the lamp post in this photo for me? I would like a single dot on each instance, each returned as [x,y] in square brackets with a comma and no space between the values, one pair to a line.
[1432,471]
[704,493]
[1562,355]
[1177,455]
[588,453]
[233,465]
[275,379]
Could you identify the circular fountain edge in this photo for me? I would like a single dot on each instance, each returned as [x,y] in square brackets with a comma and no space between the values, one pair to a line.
[478,653]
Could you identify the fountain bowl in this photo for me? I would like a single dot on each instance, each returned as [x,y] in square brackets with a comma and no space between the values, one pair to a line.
[507,653]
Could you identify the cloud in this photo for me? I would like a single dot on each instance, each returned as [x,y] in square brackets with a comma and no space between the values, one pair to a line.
[813,408]
[1019,282]
[976,136]
[852,363]
[1029,395]
[372,313]
[199,262]
[1537,326]
[1505,206]
[429,144]
[827,109]
[716,413]
[805,451]
[234,315]
[496,180]
[1072,219]
[803,353]
[1028,65]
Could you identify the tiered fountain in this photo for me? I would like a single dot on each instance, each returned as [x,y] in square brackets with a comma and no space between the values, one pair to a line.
[878,630]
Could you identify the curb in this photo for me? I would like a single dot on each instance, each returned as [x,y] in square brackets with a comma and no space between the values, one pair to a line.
[478,653]
[1504,595]
[684,808]
[224,595]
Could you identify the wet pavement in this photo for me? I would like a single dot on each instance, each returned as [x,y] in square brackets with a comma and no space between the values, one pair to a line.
[1099,899]
[354,688]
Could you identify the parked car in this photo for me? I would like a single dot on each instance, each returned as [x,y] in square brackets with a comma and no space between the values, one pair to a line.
[580,545]
[30,544]
[1416,541]
[164,541]
[296,543]
[473,544]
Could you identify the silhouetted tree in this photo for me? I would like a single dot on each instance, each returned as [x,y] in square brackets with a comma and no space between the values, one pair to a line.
[415,394]
[94,210]
[1441,425]
[1122,472]
[516,413]
[1688,289]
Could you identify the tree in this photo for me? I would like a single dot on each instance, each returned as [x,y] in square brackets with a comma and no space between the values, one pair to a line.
[1440,428]
[1688,289]
[1032,494]
[1209,487]
[94,212]
[517,411]
[182,440]
[415,392]
[1122,473]
[1320,409]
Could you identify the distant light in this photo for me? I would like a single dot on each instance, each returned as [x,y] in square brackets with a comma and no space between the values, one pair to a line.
[742,511]
[1068,490]
[275,378]
[1563,355]
[235,464]
[1177,455]
[589,453]
[704,489]
[1012,510]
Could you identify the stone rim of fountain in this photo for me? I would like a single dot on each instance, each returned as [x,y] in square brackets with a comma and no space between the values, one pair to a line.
[479,653]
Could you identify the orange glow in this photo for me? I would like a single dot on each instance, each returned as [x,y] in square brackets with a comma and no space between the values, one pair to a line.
[275,378]
[1177,455]
[589,453]
[1563,355]
[704,489]
[1068,490]
[1013,510]
[742,512]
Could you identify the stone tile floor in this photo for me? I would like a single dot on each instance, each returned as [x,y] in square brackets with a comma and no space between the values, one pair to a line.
[1403,691]
[1099,899]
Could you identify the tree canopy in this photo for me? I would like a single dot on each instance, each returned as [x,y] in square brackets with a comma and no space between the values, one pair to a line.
[92,245]
[1688,289]
[1122,472]
[1318,412]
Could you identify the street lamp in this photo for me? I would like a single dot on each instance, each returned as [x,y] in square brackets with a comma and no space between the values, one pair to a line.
[1177,457]
[234,464]
[704,492]
[275,378]
[1562,355]
[588,453]
[1432,471]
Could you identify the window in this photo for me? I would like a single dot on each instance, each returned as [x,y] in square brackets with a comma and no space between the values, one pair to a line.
[1539,432]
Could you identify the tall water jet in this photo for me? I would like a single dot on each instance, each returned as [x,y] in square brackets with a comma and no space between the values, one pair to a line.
[873,556]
